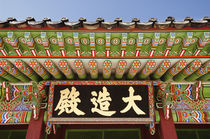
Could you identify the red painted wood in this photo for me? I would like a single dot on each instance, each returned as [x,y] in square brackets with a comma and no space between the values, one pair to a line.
[36,127]
[167,127]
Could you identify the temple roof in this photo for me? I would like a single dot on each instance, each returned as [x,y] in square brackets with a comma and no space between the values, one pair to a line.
[169,50]
[152,23]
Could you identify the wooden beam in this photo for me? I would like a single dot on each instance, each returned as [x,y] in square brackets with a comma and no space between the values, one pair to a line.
[167,127]
[35,128]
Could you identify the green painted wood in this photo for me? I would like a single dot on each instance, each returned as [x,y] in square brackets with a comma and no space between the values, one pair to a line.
[65,68]
[53,70]
[200,72]
[175,69]
[131,44]
[10,68]
[54,46]
[174,116]
[206,90]
[24,68]
[69,43]
[192,67]
[160,49]
[24,47]
[147,70]
[7,76]
[157,116]
[80,69]
[85,45]
[38,68]
[120,69]
[28,116]
[93,66]
[8,47]
[134,69]
[2,79]
[163,67]
[205,77]
[107,67]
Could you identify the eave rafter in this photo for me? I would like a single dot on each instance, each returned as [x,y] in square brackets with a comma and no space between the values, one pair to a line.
[94,44]
[15,70]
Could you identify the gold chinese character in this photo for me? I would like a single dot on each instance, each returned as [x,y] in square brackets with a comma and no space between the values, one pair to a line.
[68,102]
[130,100]
[103,101]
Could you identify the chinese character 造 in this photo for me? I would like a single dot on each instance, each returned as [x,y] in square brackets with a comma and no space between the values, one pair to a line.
[130,100]
[103,102]
[69,101]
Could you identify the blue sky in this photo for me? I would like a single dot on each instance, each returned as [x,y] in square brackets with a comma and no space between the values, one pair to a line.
[108,9]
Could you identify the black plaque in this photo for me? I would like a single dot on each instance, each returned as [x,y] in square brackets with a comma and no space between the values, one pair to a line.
[117,92]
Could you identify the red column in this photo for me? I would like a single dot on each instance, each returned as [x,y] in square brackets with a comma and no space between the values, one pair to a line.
[167,127]
[35,127]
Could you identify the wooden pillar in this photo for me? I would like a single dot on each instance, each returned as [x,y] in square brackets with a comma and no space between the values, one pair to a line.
[36,127]
[167,127]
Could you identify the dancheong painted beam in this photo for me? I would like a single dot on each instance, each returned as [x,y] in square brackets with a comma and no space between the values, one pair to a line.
[169,60]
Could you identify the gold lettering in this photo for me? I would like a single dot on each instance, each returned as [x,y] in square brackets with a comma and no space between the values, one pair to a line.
[130,100]
[69,101]
[102,101]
